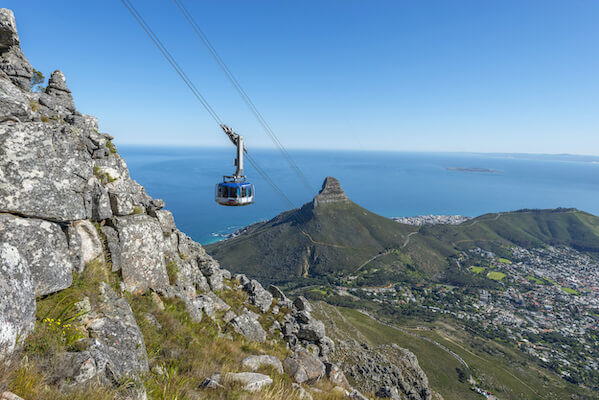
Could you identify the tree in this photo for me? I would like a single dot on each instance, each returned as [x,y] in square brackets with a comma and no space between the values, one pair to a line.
[37,81]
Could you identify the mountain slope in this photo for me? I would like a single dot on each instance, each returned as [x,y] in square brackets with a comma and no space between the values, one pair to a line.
[333,237]
[327,236]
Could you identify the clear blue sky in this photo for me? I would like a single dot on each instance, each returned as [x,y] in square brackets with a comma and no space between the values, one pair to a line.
[489,76]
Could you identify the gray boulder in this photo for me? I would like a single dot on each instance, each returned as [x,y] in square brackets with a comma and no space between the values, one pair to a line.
[57,88]
[253,363]
[257,295]
[17,299]
[142,259]
[45,172]
[313,331]
[304,366]
[116,348]
[251,381]
[302,304]
[91,246]
[9,396]
[248,326]
[13,102]
[44,246]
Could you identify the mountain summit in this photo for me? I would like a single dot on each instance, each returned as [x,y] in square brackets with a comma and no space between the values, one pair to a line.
[331,192]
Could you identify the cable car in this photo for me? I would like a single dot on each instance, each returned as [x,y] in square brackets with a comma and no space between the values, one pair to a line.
[235,190]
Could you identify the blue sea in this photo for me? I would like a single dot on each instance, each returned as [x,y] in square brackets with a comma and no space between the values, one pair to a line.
[391,184]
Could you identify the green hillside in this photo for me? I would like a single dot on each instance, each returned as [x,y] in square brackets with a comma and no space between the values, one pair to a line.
[332,239]
[315,242]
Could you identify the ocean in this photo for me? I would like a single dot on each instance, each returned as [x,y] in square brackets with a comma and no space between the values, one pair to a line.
[391,184]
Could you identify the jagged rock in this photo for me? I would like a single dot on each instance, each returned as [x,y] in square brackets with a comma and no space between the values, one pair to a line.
[336,375]
[248,326]
[17,298]
[91,246]
[121,203]
[9,396]
[142,259]
[117,347]
[44,245]
[386,366]
[113,247]
[200,305]
[45,172]
[12,60]
[303,366]
[257,295]
[251,381]
[276,292]
[13,102]
[255,362]
[101,208]
[312,331]
[326,346]
[57,88]
[165,219]
[301,304]
[331,192]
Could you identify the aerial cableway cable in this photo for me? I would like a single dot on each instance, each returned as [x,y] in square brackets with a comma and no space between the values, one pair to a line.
[242,93]
[188,82]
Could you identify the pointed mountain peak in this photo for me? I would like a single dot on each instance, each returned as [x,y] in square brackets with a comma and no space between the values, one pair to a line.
[331,192]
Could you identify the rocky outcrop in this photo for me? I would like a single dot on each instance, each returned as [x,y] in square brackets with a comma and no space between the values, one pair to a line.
[17,299]
[12,60]
[331,192]
[254,363]
[304,367]
[44,245]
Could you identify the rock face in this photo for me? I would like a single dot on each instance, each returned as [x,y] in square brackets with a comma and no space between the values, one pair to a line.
[44,245]
[17,299]
[304,366]
[12,60]
[331,192]
[142,256]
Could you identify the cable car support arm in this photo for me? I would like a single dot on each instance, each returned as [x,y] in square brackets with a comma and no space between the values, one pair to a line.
[238,142]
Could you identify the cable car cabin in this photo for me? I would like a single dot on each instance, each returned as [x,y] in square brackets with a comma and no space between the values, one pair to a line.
[234,193]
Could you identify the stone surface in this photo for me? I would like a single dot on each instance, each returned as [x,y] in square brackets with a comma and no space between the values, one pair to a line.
[12,60]
[331,192]
[257,295]
[44,172]
[248,326]
[116,348]
[301,304]
[44,245]
[91,246]
[13,102]
[113,246]
[17,298]
[304,366]
[336,375]
[251,381]
[142,259]
[253,363]
[312,331]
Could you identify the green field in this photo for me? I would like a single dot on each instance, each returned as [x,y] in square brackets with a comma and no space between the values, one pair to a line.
[504,260]
[496,275]
[534,279]
[477,270]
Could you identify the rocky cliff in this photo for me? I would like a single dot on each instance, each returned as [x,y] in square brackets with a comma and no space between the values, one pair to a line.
[99,289]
